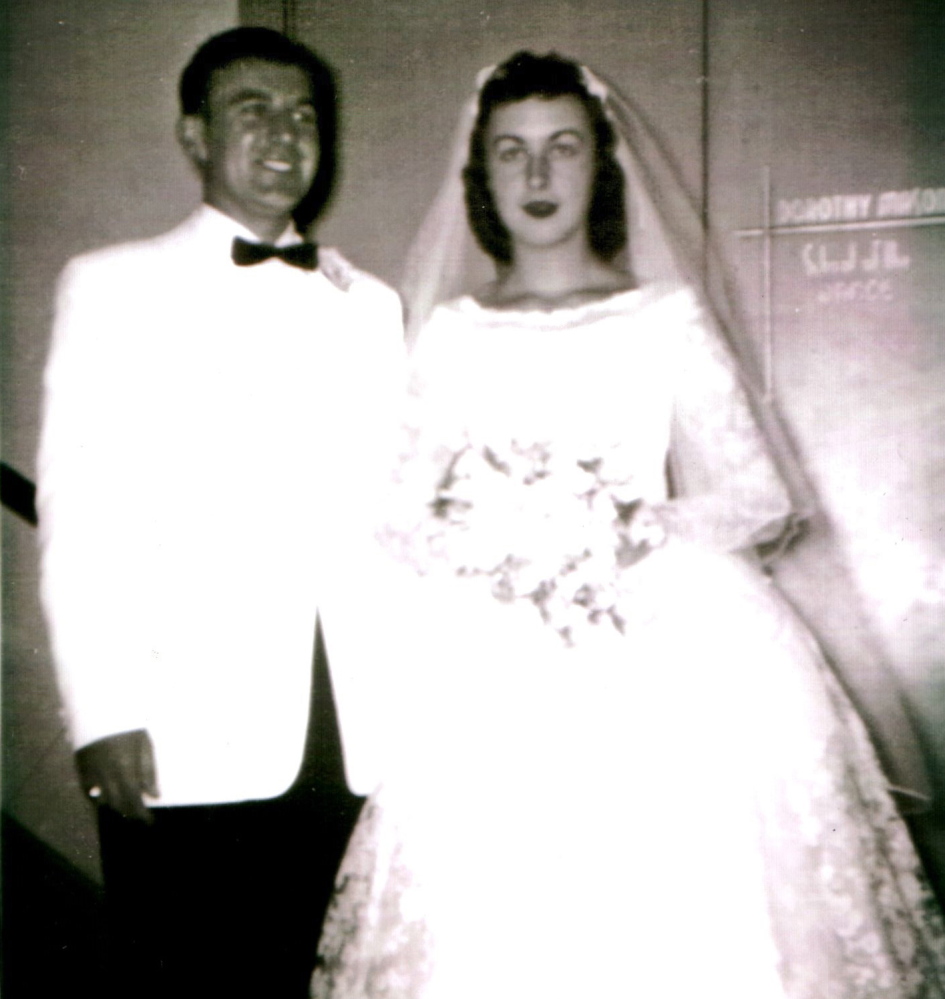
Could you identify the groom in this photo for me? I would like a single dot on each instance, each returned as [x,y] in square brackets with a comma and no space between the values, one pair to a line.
[215,405]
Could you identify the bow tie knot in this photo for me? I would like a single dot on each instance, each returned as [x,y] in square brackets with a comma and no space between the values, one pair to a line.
[245,253]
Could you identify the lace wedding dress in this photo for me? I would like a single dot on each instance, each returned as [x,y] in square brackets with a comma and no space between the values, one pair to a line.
[626,776]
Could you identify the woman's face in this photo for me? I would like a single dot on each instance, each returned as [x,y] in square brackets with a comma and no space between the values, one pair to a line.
[541,162]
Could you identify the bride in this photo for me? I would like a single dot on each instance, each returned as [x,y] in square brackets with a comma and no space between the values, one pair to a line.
[614,761]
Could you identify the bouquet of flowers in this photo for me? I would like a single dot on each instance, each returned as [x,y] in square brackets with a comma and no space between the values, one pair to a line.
[538,526]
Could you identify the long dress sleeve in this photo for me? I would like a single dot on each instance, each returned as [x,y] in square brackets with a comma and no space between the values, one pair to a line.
[727,492]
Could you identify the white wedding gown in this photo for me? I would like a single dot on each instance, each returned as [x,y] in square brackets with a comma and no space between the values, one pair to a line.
[602,780]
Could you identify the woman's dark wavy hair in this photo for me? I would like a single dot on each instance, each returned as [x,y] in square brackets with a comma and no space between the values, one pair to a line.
[526,75]
[237,44]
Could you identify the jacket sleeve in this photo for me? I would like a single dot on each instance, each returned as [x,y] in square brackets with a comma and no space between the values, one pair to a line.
[727,492]
[363,593]
[90,524]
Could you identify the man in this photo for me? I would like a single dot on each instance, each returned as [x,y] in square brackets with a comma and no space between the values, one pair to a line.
[215,409]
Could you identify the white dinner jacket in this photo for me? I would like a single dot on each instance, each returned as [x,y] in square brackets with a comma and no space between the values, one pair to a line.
[214,438]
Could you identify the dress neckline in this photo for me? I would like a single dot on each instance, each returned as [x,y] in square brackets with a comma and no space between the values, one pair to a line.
[563,316]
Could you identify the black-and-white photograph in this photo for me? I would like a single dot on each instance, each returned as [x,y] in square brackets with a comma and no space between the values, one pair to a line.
[472,489]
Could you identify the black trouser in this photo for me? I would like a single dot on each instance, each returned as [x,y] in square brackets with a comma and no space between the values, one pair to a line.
[228,900]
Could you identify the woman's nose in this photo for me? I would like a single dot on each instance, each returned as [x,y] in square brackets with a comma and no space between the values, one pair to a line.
[537,171]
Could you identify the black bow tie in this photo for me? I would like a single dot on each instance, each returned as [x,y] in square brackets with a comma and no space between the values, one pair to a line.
[304,255]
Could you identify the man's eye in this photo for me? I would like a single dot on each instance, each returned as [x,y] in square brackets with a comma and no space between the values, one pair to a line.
[304,116]
[252,109]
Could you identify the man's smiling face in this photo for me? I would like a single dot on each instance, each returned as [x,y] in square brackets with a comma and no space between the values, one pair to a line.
[256,143]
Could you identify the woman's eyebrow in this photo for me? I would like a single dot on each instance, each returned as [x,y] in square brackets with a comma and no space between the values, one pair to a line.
[511,137]
[570,132]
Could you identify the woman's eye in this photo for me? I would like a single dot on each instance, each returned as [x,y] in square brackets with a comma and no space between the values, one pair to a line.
[509,154]
[565,150]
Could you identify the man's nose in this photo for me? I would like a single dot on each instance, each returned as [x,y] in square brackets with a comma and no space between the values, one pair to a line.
[537,171]
[283,126]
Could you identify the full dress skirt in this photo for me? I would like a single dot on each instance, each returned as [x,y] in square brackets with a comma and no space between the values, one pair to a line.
[670,797]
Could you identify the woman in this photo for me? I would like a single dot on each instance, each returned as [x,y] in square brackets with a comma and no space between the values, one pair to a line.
[627,770]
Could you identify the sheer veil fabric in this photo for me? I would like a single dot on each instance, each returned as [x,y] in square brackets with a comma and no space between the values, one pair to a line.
[668,244]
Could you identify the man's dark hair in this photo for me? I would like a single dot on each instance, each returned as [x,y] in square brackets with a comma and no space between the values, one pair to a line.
[526,75]
[237,44]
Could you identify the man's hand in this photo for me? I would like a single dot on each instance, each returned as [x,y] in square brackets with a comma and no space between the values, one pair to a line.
[118,770]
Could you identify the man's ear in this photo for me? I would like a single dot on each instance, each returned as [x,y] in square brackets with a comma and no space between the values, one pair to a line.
[191,134]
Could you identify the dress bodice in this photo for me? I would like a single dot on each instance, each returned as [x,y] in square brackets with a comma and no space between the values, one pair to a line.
[637,384]
[594,381]
[537,434]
